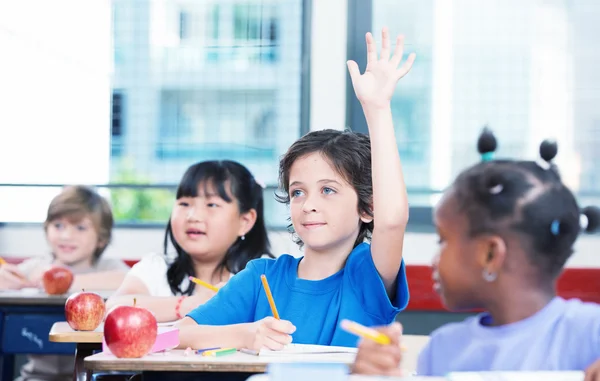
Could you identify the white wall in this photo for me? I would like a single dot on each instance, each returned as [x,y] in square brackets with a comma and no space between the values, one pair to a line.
[66,76]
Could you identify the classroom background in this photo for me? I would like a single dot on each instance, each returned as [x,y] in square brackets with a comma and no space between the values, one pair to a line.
[125,94]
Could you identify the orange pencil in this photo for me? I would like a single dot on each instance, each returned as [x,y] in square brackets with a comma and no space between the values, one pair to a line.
[263,278]
[2,261]
[203,283]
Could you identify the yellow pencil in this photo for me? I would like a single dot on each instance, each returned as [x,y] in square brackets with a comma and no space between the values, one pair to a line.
[263,278]
[2,261]
[365,332]
[203,283]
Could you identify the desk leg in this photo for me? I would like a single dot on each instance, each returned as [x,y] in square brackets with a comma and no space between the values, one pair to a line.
[7,366]
[82,351]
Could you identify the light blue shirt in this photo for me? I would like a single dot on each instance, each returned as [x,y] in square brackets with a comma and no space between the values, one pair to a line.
[563,336]
[316,308]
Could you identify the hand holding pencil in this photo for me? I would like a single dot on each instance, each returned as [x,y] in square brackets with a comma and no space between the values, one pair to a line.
[11,277]
[271,332]
[377,356]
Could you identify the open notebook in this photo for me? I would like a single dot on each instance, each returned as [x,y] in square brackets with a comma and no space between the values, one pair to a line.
[515,376]
[302,349]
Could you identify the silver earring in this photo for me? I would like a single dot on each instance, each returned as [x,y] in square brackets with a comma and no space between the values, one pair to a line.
[488,276]
[243,237]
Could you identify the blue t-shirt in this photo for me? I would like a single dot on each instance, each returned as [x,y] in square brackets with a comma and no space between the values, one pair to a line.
[316,308]
[563,336]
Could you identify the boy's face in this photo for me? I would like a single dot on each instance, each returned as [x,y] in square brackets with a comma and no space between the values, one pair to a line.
[323,206]
[72,242]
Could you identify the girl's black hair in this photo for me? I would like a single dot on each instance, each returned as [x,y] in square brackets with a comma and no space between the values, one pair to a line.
[223,175]
[349,153]
[526,197]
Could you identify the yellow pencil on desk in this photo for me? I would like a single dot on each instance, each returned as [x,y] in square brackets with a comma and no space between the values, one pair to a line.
[367,333]
[203,283]
[263,278]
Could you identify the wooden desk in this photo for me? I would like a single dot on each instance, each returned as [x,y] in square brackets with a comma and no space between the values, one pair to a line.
[62,333]
[86,343]
[175,365]
[353,377]
[26,317]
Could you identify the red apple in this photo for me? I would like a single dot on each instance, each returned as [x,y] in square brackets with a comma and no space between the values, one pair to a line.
[57,280]
[84,311]
[130,332]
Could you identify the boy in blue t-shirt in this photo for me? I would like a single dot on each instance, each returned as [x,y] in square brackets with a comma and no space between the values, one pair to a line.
[335,183]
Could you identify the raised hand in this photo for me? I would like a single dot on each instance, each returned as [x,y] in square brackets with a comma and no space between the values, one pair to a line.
[376,86]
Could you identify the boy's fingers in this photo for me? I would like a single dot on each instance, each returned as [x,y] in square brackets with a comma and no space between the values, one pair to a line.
[393,331]
[272,344]
[278,336]
[284,326]
[366,368]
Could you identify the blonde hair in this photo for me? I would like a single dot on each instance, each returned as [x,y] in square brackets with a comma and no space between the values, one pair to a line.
[77,202]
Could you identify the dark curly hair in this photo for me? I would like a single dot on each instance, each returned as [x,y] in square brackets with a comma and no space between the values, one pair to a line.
[526,197]
[350,154]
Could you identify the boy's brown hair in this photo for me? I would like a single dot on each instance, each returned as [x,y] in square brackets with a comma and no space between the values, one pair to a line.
[77,202]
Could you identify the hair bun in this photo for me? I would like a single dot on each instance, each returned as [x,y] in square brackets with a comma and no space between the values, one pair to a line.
[548,150]
[590,219]
[486,144]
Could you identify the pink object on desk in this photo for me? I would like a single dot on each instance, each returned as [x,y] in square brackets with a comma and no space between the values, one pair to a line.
[167,338]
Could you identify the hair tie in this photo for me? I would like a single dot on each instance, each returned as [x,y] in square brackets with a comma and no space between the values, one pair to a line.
[583,221]
[496,189]
[487,156]
[555,227]
[486,144]
[548,151]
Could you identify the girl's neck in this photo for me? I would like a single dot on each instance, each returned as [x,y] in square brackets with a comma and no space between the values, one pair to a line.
[320,264]
[206,271]
[519,305]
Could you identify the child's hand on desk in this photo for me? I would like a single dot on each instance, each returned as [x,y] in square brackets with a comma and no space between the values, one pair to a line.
[12,278]
[378,359]
[593,372]
[270,333]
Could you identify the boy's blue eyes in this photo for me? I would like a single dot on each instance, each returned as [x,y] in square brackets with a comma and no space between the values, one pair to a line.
[325,190]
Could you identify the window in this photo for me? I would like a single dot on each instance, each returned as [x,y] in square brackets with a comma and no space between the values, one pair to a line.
[228,85]
[528,70]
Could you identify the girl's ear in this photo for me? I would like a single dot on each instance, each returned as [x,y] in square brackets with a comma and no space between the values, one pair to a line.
[492,253]
[247,221]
